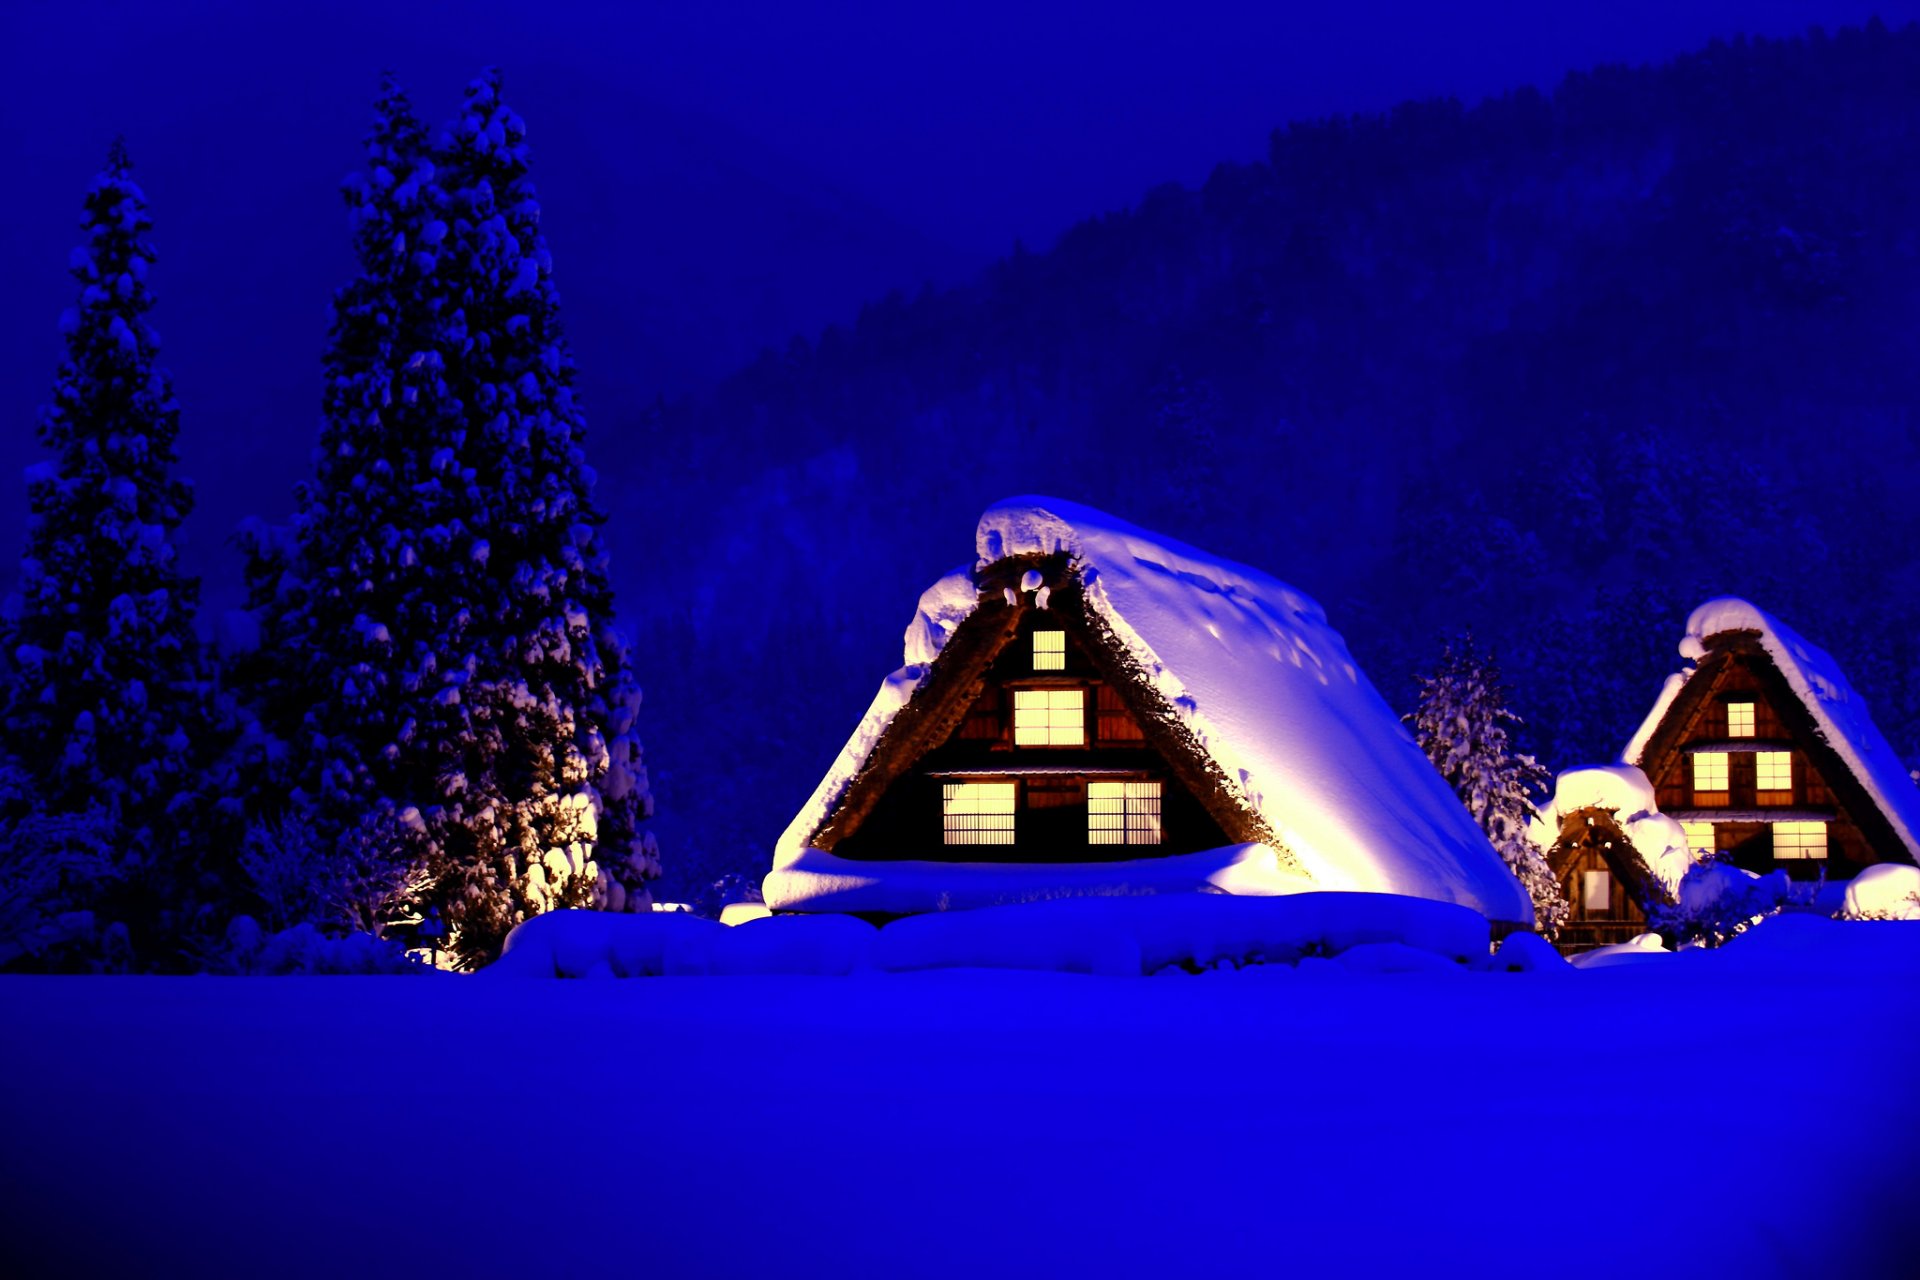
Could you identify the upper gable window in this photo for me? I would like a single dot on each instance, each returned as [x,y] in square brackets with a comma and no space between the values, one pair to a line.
[1049,717]
[1710,771]
[1049,651]
[1739,719]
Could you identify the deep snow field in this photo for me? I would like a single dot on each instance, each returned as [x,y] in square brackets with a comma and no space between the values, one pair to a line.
[1750,1112]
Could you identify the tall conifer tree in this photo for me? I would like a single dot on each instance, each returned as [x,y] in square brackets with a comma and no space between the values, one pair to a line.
[467,737]
[107,702]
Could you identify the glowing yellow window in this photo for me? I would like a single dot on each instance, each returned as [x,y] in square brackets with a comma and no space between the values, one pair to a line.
[1739,719]
[1799,840]
[1049,717]
[1049,651]
[1709,771]
[1123,813]
[978,812]
[1773,770]
[1596,891]
[1699,837]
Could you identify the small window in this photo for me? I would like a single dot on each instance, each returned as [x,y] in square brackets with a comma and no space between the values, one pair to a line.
[1596,891]
[1799,840]
[1049,651]
[979,812]
[1699,837]
[1773,770]
[1049,717]
[1739,719]
[1123,813]
[1709,771]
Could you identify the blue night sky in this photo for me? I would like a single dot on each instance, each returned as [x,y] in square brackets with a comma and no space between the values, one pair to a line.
[715,180]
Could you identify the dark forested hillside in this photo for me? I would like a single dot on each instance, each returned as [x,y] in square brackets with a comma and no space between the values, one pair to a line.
[1553,368]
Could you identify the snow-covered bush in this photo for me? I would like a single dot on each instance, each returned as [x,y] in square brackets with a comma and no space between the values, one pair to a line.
[252,951]
[1889,891]
[53,867]
[1717,901]
[1462,724]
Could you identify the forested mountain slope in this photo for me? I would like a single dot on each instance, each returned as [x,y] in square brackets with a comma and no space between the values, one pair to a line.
[1553,367]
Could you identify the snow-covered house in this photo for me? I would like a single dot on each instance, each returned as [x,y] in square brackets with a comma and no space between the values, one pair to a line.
[1089,708]
[1764,752]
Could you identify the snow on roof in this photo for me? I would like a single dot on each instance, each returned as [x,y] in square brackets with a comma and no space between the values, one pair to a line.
[1838,711]
[1251,668]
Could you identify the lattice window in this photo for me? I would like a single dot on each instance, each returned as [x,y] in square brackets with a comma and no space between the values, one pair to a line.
[978,812]
[1123,813]
[1799,840]
[1049,717]
[1049,651]
[1739,719]
[1699,837]
[1709,772]
[1773,770]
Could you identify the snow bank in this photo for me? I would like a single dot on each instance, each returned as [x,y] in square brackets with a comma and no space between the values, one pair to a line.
[1624,791]
[1528,953]
[813,880]
[1838,710]
[1888,891]
[604,944]
[1647,946]
[1252,669]
[1111,936]
[1131,936]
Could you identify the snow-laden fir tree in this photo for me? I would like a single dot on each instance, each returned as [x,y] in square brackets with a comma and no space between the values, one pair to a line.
[107,704]
[1461,722]
[467,741]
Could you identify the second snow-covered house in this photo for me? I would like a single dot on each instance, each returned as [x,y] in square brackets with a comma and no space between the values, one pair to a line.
[1766,754]
[1088,708]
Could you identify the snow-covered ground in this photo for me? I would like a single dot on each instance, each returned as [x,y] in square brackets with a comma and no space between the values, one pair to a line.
[1750,1112]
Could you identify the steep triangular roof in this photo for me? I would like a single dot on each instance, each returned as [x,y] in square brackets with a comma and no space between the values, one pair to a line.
[1837,712]
[1248,672]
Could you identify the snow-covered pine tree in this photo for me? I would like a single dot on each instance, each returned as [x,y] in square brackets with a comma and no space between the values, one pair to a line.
[543,789]
[1461,723]
[460,707]
[106,707]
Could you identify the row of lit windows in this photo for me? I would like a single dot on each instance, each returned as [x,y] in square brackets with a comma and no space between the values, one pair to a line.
[1117,812]
[1790,839]
[1773,770]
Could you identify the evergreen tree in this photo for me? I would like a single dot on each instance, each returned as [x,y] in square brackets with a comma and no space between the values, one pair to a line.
[461,710]
[106,709]
[1461,723]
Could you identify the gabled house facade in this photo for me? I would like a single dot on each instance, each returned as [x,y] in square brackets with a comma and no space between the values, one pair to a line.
[1089,708]
[1765,753]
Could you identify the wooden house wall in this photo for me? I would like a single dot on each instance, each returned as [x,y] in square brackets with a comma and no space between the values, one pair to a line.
[1051,819]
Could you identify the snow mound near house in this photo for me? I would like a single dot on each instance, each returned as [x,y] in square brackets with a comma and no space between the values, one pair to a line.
[1254,671]
[1888,891]
[1120,937]
[1624,791]
[1838,710]
[821,881]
